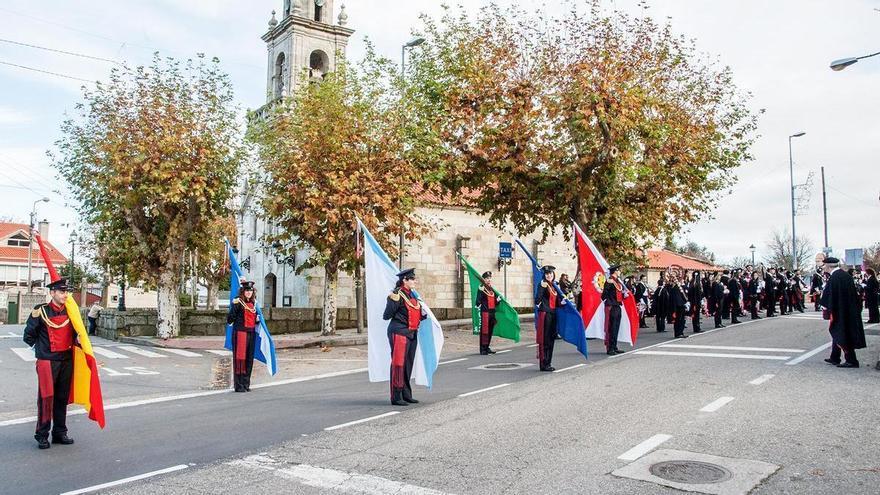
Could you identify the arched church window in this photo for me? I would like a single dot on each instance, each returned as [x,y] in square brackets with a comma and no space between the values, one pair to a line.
[280,75]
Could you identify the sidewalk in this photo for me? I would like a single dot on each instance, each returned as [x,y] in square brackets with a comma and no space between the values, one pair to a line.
[343,337]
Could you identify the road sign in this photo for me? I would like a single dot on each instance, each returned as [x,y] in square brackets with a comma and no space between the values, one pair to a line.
[505,250]
[854,257]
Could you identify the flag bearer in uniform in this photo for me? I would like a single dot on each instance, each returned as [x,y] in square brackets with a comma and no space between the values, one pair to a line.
[244,320]
[548,299]
[50,332]
[406,313]
[613,294]
[487,299]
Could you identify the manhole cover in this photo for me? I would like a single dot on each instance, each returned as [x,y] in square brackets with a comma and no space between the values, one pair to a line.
[501,366]
[691,472]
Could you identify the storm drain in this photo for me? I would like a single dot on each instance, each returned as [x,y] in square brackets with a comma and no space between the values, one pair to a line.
[690,472]
[501,366]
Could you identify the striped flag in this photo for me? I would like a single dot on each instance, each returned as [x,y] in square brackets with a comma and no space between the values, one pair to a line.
[381,276]
[85,385]
[264,347]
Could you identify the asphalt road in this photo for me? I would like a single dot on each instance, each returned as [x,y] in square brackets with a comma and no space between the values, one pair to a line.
[535,432]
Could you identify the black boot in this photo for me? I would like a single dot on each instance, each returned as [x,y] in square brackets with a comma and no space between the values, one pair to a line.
[410,400]
[489,350]
[63,439]
[43,443]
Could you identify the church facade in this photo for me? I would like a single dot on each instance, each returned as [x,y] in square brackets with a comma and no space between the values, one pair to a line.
[305,38]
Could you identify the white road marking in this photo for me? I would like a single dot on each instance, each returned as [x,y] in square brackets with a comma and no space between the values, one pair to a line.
[696,335]
[644,447]
[872,325]
[807,355]
[532,345]
[570,368]
[453,361]
[309,378]
[716,404]
[181,352]
[126,480]
[220,352]
[25,353]
[468,394]
[761,379]
[107,353]
[112,372]
[139,370]
[331,479]
[359,421]
[141,352]
[731,348]
[502,352]
[713,354]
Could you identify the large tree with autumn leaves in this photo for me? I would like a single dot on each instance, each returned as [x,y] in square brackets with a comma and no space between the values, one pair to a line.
[601,117]
[333,151]
[151,157]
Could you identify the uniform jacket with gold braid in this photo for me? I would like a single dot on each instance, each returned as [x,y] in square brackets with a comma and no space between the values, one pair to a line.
[404,311]
[548,298]
[488,299]
[242,316]
[48,329]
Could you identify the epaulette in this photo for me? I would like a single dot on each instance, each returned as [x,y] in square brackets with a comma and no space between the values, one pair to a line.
[236,301]
[394,296]
[37,311]
[544,284]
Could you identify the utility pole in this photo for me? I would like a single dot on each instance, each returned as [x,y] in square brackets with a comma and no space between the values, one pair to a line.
[794,260]
[824,212]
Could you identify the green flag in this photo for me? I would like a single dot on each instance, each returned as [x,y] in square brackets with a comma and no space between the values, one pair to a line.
[507,321]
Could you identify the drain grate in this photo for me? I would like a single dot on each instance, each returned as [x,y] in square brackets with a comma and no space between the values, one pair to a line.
[502,366]
[690,472]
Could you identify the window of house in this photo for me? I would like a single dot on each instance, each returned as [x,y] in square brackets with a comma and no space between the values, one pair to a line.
[18,240]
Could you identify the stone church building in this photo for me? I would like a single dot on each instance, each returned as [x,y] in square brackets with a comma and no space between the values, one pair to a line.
[306,38]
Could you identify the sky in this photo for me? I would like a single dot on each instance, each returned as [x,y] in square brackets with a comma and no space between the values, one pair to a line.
[779,51]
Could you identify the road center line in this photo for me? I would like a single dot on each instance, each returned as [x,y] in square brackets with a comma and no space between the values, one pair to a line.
[716,404]
[483,390]
[644,447]
[761,379]
[126,480]
[714,355]
[359,421]
[733,348]
[807,355]
[502,352]
[532,345]
[570,368]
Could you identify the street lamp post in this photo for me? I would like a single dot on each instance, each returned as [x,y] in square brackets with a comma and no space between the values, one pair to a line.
[752,249]
[31,239]
[843,63]
[418,40]
[73,239]
[791,176]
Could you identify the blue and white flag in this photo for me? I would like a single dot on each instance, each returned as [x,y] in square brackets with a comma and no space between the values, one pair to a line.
[381,277]
[568,319]
[264,348]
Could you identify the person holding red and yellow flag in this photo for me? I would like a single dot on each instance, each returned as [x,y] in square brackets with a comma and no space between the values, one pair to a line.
[66,368]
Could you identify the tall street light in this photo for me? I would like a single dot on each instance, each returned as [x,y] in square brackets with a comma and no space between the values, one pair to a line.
[73,239]
[31,238]
[418,40]
[791,175]
[752,249]
[843,63]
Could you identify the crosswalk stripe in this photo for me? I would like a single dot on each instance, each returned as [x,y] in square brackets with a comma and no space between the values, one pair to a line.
[141,352]
[732,348]
[222,352]
[25,353]
[714,354]
[107,353]
[181,352]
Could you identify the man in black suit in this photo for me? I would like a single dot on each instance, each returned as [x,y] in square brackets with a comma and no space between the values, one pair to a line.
[846,327]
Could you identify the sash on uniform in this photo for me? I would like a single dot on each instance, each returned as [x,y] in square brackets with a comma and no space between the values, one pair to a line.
[46,389]
[539,334]
[240,351]
[398,355]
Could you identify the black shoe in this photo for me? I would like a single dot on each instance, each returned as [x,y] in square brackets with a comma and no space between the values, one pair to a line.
[681,336]
[399,403]
[548,368]
[734,322]
[610,352]
[831,361]
[618,351]
[490,351]
[43,443]
[62,439]
[410,400]
[848,365]
[484,352]
[698,331]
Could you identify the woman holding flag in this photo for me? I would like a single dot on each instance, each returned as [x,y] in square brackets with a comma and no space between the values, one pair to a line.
[548,300]
[244,320]
[487,300]
[405,311]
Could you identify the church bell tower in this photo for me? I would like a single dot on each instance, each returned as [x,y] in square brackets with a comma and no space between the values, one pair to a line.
[304,44]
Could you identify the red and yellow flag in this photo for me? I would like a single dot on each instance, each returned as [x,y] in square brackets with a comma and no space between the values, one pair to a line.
[85,388]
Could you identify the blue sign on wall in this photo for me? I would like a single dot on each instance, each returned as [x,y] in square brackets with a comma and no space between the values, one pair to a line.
[505,250]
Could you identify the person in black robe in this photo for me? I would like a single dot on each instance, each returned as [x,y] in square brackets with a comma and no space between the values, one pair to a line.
[733,297]
[487,300]
[49,331]
[725,303]
[641,295]
[695,298]
[405,312]
[547,300]
[754,294]
[872,295]
[816,287]
[243,317]
[770,291]
[715,299]
[846,327]
[678,302]
[660,304]
[613,294]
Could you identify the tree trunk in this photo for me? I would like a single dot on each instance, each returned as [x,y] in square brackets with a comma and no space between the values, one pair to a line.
[168,324]
[105,290]
[328,316]
[212,288]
